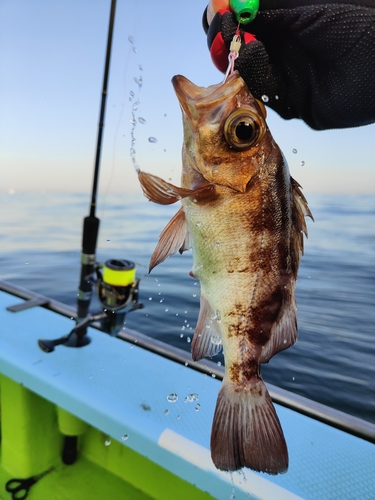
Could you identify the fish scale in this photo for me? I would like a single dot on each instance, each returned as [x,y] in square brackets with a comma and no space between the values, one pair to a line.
[243,216]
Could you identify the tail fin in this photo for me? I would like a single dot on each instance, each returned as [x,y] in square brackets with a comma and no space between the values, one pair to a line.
[246,431]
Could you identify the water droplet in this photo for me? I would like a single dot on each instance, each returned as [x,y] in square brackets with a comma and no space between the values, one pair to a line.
[141,120]
[181,334]
[166,412]
[215,339]
[294,151]
[152,140]
[219,363]
[293,378]
[217,244]
[216,315]
[265,98]
[150,298]
[166,309]
[172,397]
[188,340]
[213,375]
[302,163]
[135,50]
[190,398]
[186,364]
[131,94]
[161,301]
[138,81]
[135,106]
[140,67]
[194,294]
[198,224]
[276,97]
[131,39]
[107,442]
[178,417]
[198,407]
[125,437]
[165,114]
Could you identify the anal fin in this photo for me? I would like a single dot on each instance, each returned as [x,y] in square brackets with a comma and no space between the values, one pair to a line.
[206,340]
[284,332]
[246,431]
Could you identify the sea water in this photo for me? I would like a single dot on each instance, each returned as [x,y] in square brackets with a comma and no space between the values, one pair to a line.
[333,361]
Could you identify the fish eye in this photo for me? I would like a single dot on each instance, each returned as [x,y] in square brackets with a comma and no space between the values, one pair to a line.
[243,128]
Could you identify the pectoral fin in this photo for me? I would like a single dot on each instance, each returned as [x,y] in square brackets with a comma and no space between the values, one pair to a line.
[164,193]
[174,237]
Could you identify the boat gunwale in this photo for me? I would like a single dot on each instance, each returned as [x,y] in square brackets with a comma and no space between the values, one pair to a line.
[300,404]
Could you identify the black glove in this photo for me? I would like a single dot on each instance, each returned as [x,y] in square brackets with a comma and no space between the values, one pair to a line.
[312,61]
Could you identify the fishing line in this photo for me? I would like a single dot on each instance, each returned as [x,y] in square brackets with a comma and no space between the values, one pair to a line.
[125,85]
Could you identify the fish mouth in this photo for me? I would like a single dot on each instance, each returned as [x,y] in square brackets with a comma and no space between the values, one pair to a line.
[194,98]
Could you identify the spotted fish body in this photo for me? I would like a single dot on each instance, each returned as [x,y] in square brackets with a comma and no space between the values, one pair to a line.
[244,217]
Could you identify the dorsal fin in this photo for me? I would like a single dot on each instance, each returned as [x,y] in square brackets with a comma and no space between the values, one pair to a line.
[300,210]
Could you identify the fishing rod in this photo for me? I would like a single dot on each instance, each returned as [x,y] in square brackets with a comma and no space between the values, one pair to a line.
[114,281]
[91,222]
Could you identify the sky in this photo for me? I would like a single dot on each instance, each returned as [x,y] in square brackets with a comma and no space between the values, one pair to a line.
[51,71]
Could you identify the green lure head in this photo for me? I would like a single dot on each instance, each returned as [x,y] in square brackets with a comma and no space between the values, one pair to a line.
[245,10]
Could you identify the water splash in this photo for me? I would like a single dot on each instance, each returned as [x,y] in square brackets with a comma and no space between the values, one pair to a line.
[139,82]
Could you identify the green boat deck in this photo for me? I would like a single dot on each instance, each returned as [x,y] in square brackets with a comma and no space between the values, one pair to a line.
[133,443]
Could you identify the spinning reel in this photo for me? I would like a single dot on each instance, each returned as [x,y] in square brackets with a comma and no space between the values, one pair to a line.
[116,287]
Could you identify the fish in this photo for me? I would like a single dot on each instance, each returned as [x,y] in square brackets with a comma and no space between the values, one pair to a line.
[243,216]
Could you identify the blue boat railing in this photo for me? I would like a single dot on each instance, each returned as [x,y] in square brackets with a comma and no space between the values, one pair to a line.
[330,416]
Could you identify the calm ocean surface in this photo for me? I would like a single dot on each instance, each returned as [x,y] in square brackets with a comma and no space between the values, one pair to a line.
[333,361]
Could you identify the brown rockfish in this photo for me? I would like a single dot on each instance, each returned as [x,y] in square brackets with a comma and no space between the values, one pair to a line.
[243,216]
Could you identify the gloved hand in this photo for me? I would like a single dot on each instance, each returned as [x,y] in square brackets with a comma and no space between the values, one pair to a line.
[312,61]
